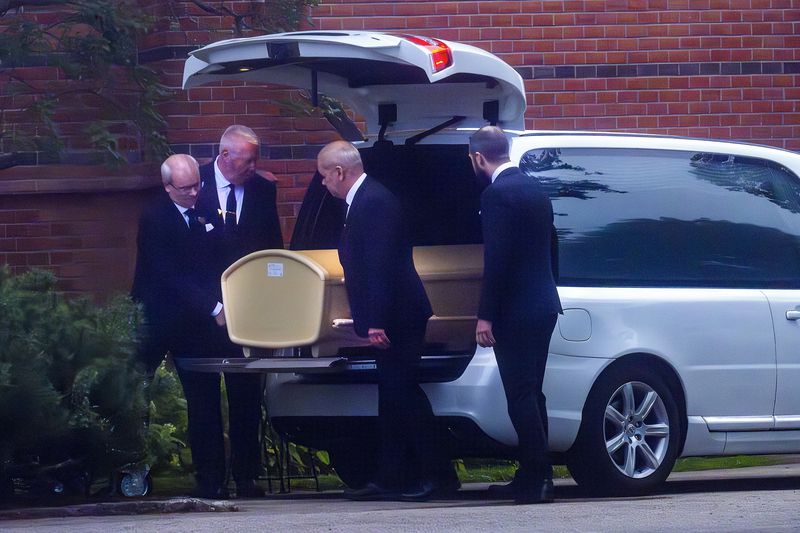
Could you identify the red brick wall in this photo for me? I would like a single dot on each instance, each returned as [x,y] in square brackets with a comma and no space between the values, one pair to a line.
[75,220]
[725,69]
[87,239]
[79,103]
[707,68]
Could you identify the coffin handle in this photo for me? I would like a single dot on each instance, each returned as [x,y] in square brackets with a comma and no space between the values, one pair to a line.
[342,323]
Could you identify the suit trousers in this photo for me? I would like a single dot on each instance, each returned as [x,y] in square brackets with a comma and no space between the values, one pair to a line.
[202,392]
[409,448]
[521,353]
[153,348]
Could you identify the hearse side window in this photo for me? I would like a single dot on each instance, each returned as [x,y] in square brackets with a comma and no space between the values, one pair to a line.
[635,217]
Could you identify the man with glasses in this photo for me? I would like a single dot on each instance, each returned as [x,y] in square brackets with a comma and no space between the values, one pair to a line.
[178,296]
[165,248]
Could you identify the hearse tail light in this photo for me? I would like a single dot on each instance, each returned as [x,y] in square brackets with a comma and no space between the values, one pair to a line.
[441,56]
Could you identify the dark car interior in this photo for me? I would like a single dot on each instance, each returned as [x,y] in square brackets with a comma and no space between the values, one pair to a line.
[435,184]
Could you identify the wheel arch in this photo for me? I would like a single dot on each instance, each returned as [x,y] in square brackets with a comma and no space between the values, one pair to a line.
[590,461]
[664,369]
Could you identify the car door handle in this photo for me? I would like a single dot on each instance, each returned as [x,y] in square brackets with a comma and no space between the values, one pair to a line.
[792,315]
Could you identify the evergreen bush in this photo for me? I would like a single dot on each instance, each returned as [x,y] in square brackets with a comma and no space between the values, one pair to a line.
[70,385]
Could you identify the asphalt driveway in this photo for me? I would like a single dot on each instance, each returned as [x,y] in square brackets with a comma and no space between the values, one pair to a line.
[746,499]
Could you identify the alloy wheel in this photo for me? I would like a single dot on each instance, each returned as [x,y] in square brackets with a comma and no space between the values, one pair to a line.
[636,429]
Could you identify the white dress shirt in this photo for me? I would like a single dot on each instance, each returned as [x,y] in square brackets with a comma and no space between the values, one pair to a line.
[352,192]
[223,188]
[182,211]
[500,169]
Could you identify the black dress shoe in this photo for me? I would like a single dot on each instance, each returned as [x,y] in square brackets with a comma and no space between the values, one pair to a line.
[249,489]
[539,493]
[420,492]
[371,492]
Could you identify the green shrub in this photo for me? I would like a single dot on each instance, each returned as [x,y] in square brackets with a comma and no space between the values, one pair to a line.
[167,436]
[70,386]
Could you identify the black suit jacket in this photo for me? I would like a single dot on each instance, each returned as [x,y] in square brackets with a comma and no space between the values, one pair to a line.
[520,251]
[258,227]
[170,281]
[383,287]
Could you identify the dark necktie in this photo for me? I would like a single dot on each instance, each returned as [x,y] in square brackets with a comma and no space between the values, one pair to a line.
[194,225]
[230,209]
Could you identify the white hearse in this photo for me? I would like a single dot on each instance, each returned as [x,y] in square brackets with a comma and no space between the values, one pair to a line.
[679,271]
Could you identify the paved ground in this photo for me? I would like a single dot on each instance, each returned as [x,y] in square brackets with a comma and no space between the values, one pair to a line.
[749,499]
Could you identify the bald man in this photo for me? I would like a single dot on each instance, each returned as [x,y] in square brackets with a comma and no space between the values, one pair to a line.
[389,306]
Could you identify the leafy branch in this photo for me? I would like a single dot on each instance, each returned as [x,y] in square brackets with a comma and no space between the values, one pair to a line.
[94,47]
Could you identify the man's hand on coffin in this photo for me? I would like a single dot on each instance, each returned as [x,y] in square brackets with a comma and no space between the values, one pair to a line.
[483,333]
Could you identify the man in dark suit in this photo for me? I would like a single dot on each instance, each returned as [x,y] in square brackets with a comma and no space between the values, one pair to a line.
[519,302]
[247,220]
[239,205]
[178,298]
[389,306]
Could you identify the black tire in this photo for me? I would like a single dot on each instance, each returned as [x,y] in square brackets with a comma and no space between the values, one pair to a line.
[618,451]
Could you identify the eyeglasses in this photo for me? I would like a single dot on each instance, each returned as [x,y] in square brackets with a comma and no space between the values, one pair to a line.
[186,188]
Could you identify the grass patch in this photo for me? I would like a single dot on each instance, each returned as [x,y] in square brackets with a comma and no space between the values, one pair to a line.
[172,483]
[495,471]
[326,482]
[689,464]
[476,471]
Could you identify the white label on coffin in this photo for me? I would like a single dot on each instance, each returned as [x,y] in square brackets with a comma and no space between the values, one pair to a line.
[274,270]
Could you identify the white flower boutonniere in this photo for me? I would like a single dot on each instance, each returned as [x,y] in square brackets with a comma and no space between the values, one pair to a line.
[208,226]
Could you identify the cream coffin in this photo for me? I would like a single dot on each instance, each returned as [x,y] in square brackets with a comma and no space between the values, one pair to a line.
[282,299]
